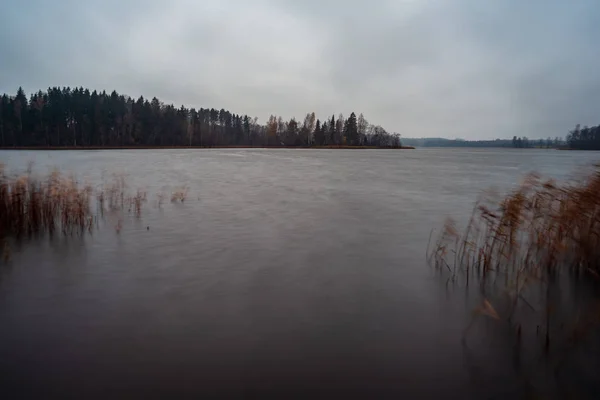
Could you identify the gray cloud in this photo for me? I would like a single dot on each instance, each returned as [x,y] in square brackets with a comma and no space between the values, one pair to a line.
[460,68]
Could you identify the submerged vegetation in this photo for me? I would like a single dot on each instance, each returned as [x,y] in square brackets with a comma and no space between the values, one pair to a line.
[533,262]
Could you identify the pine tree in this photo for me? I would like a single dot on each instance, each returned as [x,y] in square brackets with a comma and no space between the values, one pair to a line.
[20,113]
[318,136]
[351,130]
[332,125]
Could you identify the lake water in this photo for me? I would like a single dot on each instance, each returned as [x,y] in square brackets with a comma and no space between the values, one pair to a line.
[285,273]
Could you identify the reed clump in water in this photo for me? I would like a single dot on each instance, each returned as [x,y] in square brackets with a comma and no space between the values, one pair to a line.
[30,206]
[534,260]
[541,229]
[57,203]
[179,194]
[115,197]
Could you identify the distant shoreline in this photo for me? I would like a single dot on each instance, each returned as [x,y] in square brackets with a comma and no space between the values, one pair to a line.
[334,147]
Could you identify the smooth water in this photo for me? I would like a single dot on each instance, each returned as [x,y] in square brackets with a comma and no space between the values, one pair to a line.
[289,273]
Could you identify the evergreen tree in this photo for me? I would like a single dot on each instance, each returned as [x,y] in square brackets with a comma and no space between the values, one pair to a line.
[332,125]
[318,134]
[351,130]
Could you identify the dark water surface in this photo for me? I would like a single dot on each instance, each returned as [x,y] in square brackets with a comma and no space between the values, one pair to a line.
[288,273]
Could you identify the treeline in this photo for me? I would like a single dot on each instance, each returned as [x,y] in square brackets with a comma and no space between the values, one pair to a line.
[525,143]
[63,117]
[441,142]
[584,138]
[516,142]
[521,142]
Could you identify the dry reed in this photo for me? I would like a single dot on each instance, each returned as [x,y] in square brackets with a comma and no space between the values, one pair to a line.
[30,205]
[534,259]
[180,194]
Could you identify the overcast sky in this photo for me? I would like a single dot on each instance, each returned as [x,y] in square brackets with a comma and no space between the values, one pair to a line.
[464,68]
